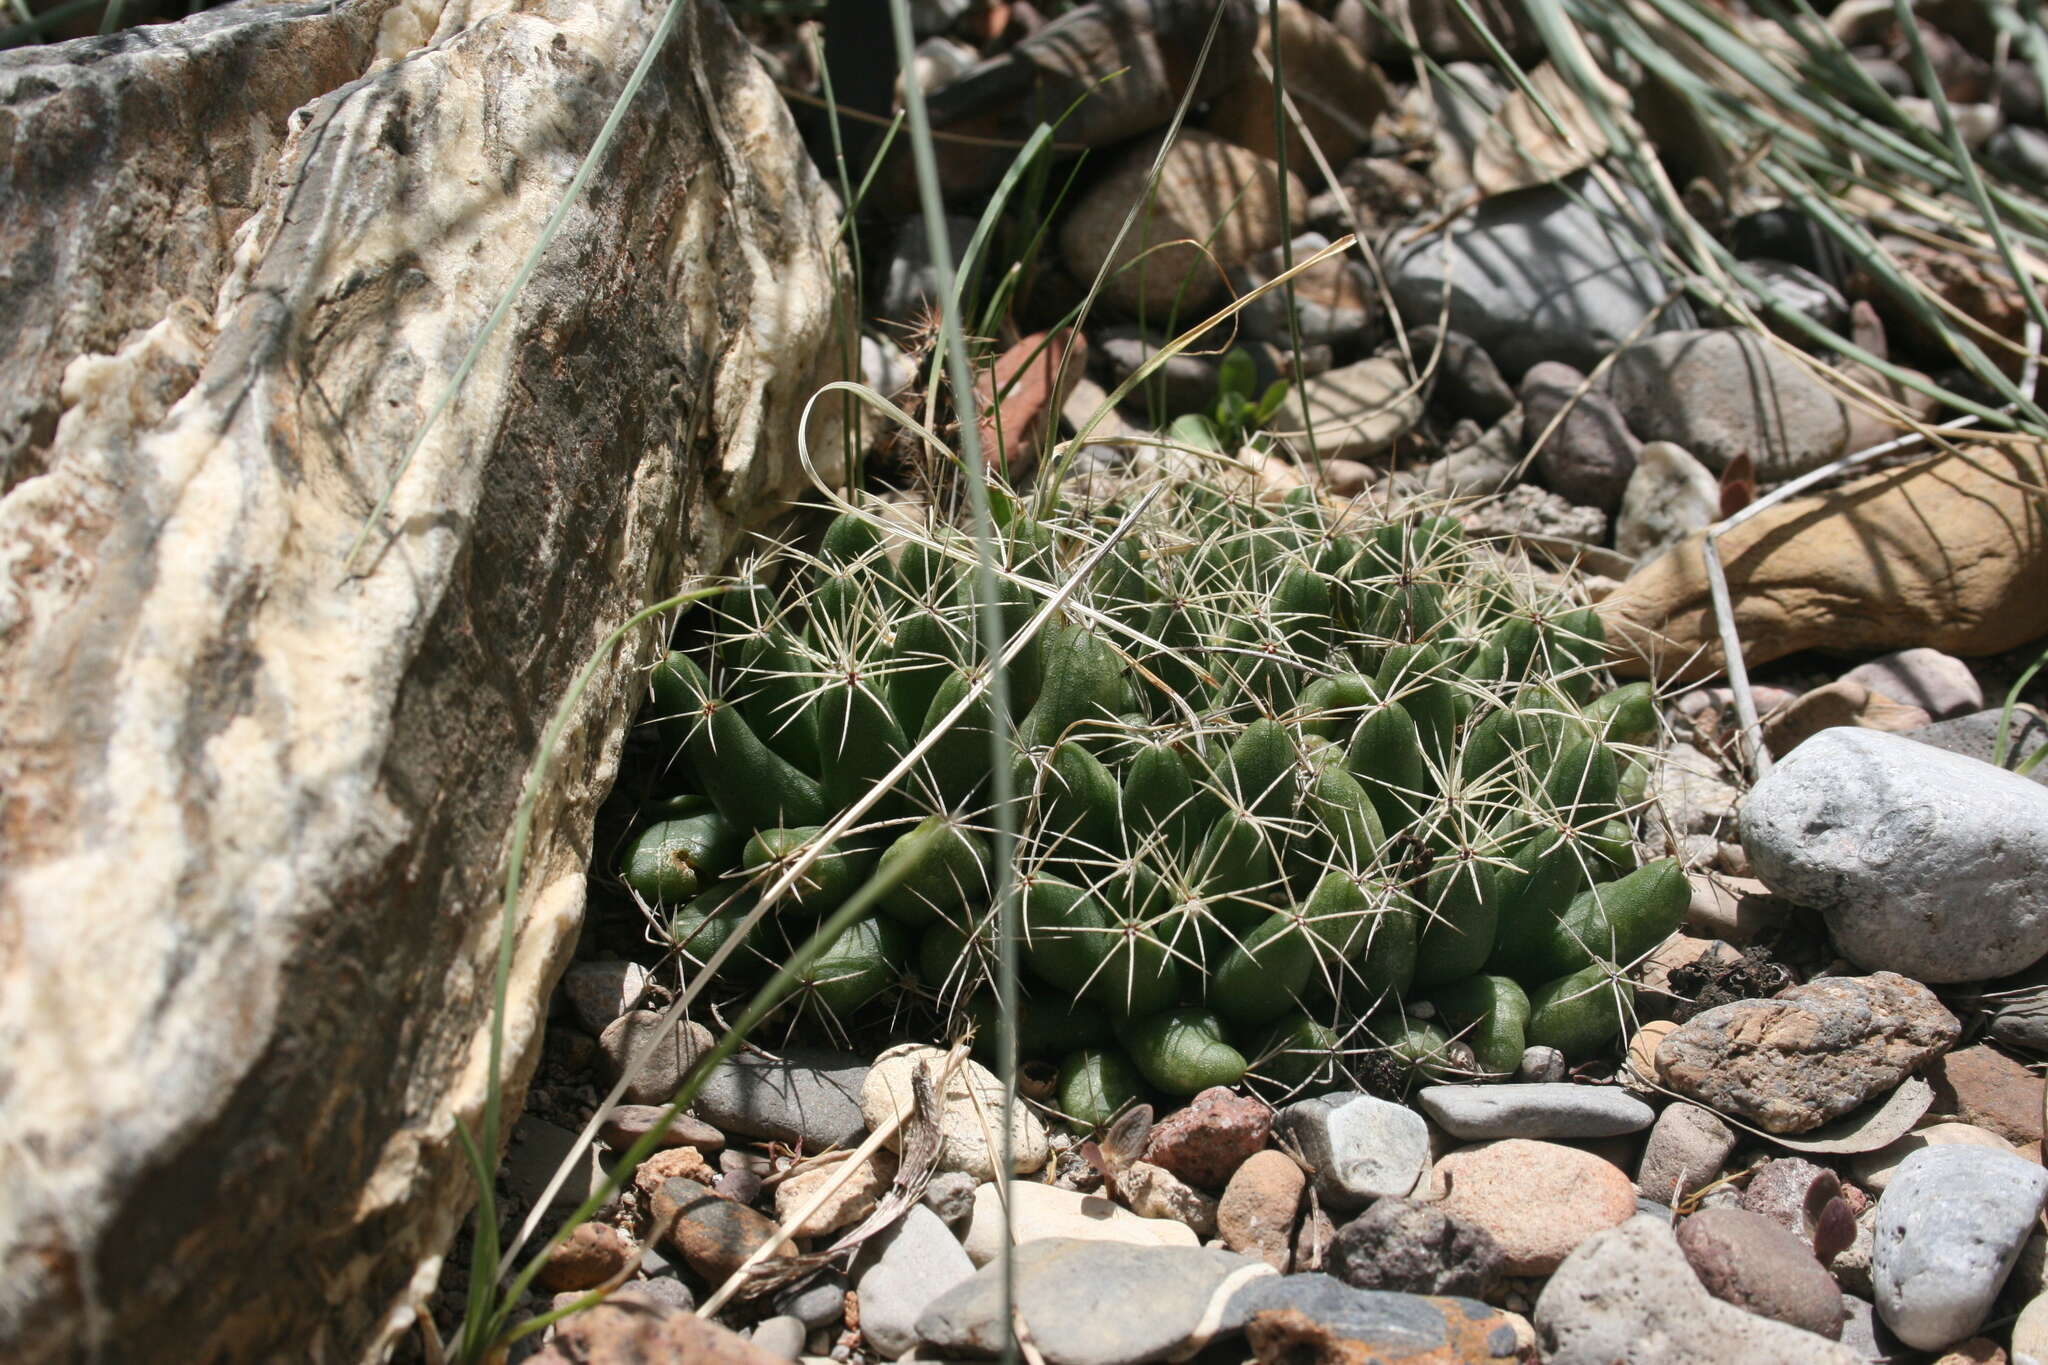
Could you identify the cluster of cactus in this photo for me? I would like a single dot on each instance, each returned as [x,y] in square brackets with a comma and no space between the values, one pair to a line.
[1292,789]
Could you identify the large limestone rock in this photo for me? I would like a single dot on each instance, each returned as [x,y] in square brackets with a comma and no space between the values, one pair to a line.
[254,810]
[1947,552]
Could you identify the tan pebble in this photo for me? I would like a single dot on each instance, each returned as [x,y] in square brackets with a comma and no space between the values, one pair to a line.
[853,1200]
[1975,1351]
[1154,1192]
[1538,1199]
[1642,1049]
[1257,1212]
[687,1162]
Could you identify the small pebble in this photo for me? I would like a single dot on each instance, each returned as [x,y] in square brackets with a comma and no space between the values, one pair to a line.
[1414,1248]
[628,1123]
[593,1253]
[668,1164]
[782,1337]
[950,1194]
[1209,1139]
[1754,1263]
[1686,1150]
[676,1048]
[1155,1192]
[1257,1212]
[713,1235]
[599,992]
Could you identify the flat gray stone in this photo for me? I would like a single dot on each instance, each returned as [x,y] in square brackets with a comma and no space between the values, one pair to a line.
[806,1095]
[900,1272]
[1923,862]
[1360,1148]
[1534,276]
[1539,1110]
[1722,392]
[1094,1303]
[1949,1228]
[1627,1297]
[1355,412]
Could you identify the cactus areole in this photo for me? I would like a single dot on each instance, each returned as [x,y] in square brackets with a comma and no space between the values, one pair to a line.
[1295,787]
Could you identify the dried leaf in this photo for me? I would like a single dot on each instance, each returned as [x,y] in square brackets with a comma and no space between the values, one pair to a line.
[921,1144]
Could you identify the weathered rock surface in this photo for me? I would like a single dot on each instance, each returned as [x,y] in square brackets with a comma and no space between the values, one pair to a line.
[1538,1200]
[1756,1263]
[301,781]
[1809,1054]
[1532,276]
[1923,862]
[1355,412]
[1669,496]
[1413,1248]
[1337,91]
[1359,1148]
[1208,191]
[1217,1132]
[1045,1212]
[1720,392]
[970,1109]
[1627,1297]
[1256,1214]
[1315,1317]
[1938,553]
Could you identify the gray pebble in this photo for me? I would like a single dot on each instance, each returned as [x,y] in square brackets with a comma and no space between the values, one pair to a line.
[780,1336]
[1949,1228]
[1544,1111]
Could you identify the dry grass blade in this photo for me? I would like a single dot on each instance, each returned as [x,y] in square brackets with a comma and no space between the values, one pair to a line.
[762,1271]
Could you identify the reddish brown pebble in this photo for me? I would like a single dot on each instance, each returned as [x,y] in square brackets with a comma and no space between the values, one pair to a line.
[592,1254]
[1206,1142]
[1982,1085]
[628,1123]
[712,1235]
